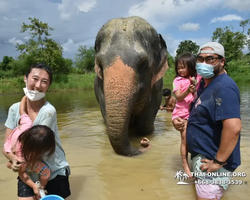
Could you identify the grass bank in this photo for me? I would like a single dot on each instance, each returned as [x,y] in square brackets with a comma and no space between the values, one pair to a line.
[86,82]
[60,83]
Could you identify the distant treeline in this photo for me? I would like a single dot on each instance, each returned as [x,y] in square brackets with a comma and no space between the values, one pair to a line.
[41,48]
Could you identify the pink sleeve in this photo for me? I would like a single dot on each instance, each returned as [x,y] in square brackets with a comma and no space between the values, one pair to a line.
[176,84]
[198,78]
[25,122]
[7,144]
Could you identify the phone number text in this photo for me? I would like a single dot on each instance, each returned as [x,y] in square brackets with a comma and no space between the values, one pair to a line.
[218,182]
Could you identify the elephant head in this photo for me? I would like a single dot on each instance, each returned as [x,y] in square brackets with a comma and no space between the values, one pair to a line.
[131,59]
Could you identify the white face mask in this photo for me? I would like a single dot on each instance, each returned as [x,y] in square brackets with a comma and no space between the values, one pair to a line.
[33,95]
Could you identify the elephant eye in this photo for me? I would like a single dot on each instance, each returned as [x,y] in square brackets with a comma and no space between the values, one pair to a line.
[143,66]
[143,63]
[99,69]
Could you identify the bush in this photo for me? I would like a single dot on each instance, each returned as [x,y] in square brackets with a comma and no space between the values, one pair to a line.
[239,70]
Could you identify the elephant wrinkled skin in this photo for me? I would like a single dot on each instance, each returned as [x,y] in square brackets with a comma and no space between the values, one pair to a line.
[131,59]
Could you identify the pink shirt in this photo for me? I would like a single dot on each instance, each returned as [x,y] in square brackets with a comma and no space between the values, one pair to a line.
[12,144]
[182,107]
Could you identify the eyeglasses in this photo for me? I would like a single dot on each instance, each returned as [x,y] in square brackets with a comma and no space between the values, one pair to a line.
[208,59]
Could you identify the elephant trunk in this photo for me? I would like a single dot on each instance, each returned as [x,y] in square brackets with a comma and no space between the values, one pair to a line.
[120,90]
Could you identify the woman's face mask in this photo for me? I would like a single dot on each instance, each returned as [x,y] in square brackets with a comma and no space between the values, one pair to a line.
[205,70]
[33,95]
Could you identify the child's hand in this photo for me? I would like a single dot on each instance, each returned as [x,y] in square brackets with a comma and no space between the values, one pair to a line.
[36,189]
[191,88]
[192,80]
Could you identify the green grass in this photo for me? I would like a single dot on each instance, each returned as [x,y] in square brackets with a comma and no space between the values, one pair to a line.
[86,81]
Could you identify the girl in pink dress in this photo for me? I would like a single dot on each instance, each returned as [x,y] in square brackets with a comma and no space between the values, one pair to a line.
[185,85]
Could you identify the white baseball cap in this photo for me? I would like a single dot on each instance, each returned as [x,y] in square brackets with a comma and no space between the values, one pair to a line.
[217,48]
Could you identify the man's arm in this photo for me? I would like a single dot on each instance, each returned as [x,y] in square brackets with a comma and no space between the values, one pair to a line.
[229,138]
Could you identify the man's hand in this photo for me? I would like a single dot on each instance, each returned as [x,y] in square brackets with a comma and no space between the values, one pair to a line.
[179,124]
[209,165]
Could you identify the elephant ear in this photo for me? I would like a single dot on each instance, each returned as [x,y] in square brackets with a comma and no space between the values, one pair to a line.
[161,64]
[98,70]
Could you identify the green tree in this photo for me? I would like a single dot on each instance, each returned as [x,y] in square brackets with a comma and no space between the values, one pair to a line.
[170,60]
[85,59]
[5,65]
[40,48]
[233,41]
[187,46]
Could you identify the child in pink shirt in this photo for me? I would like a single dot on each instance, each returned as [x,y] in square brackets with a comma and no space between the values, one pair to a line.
[11,145]
[185,85]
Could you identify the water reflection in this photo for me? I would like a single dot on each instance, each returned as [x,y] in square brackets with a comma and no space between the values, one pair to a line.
[98,173]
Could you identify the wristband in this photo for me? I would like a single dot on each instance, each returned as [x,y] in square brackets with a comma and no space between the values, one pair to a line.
[219,162]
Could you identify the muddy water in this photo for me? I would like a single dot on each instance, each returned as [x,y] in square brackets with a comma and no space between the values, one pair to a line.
[99,174]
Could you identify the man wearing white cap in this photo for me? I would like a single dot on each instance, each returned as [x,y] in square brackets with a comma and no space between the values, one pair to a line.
[214,125]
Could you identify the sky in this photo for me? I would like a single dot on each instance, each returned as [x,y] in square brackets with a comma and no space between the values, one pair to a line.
[77,22]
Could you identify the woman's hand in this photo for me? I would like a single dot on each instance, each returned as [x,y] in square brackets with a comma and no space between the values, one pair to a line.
[14,163]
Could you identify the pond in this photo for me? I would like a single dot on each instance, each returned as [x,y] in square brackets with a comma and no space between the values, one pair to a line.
[99,174]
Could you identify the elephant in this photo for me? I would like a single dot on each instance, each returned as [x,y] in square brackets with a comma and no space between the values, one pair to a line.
[130,62]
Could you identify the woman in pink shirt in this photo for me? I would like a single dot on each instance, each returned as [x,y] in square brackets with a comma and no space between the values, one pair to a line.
[185,86]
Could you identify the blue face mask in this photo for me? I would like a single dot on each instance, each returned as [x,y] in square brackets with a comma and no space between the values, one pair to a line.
[205,70]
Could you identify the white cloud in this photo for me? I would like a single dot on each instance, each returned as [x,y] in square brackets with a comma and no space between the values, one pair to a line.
[5,18]
[86,6]
[172,44]
[69,8]
[14,41]
[167,13]
[70,47]
[189,27]
[226,18]
[26,38]
[67,47]
[240,5]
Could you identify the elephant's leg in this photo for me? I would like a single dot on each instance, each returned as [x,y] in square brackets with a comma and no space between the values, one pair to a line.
[145,121]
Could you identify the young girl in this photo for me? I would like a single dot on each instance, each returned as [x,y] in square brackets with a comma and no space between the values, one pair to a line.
[11,146]
[35,142]
[185,86]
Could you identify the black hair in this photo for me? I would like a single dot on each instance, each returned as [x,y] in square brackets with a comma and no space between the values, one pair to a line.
[166,92]
[189,60]
[41,66]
